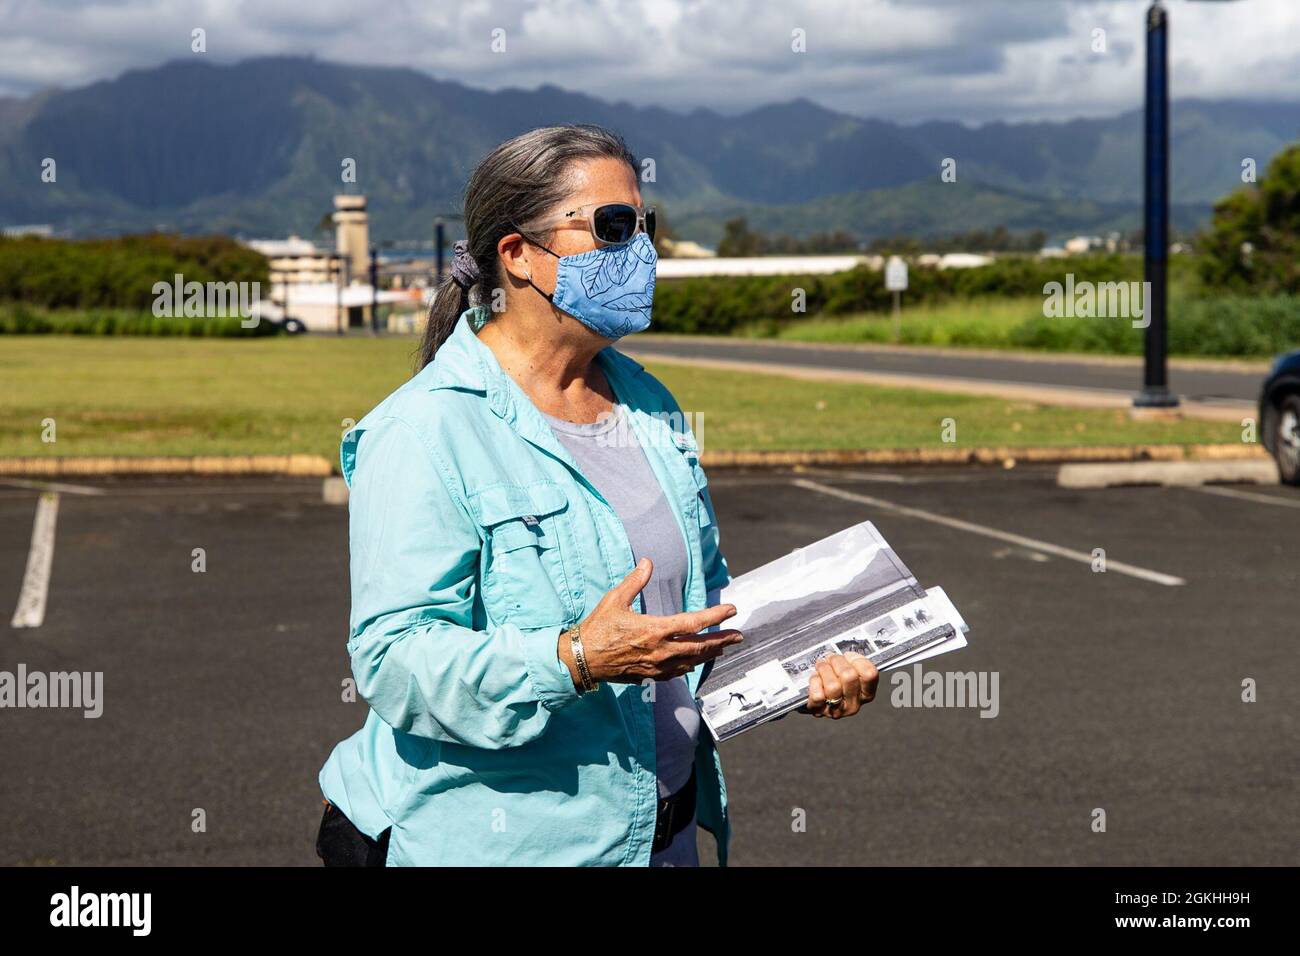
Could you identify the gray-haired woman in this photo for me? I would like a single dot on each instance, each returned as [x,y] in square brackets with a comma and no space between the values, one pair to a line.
[535,555]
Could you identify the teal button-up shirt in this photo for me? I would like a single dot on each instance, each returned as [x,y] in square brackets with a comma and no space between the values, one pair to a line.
[476,540]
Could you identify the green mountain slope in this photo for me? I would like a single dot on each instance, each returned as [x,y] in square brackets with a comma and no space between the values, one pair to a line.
[256,148]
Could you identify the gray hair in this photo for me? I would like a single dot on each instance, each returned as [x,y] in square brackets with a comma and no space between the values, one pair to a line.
[516,183]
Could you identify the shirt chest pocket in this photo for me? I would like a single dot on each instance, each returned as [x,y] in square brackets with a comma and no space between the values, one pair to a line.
[524,580]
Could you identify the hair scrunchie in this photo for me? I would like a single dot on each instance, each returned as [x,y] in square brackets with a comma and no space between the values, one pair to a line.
[464,270]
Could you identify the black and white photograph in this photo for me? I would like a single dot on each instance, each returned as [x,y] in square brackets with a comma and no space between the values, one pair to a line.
[777,685]
[728,708]
[945,632]
[798,667]
[879,633]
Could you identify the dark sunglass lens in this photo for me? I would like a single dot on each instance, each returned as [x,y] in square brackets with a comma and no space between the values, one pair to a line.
[615,223]
[650,223]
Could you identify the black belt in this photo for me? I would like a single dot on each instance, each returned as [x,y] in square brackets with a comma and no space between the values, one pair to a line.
[675,813]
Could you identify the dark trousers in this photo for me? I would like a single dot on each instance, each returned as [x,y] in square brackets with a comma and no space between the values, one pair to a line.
[340,843]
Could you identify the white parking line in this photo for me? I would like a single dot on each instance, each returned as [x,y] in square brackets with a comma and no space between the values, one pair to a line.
[36,581]
[1247,496]
[918,477]
[1044,547]
[876,476]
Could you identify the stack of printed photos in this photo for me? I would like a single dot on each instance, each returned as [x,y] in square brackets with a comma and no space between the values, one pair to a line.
[848,592]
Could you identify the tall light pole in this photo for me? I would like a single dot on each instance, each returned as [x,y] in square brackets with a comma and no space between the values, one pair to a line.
[374,289]
[439,241]
[1155,370]
[1155,367]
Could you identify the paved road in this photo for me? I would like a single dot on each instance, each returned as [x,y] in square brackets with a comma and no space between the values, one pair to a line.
[223,688]
[1190,383]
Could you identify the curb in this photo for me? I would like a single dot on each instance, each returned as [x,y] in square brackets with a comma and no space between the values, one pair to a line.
[233,465]
[317,466]
[334,491]
[1166,473]
[1006,457]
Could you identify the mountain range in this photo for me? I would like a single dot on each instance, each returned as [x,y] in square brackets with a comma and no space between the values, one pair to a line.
[256,148]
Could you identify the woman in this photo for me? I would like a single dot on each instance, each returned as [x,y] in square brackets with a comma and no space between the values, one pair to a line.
[535,554]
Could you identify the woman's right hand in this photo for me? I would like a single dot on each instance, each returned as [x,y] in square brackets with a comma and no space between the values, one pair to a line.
[625,647]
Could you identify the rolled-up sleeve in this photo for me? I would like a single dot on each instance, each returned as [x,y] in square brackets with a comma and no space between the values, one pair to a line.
[416,658]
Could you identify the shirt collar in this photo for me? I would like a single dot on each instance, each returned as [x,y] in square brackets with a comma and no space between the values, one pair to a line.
[460,360]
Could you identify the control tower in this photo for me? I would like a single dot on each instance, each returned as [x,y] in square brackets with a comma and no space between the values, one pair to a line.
[352,236]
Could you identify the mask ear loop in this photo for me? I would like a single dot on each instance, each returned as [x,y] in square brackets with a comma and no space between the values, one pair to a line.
[549,296]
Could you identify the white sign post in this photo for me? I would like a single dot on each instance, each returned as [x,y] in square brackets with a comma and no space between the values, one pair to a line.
[896,282]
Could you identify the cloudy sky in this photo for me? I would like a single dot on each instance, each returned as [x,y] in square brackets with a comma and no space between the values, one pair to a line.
[971,60]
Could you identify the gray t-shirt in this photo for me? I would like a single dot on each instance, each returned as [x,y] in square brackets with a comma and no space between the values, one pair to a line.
[609,456]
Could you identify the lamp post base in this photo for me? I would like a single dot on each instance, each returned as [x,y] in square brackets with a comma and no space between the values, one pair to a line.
[1155,404]
[1155,396]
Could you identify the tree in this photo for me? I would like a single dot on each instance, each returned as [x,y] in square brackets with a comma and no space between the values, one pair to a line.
[664,234]
[1254,242]
[738,241]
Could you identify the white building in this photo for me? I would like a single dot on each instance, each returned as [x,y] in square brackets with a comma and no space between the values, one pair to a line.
[18,232]
[805,265]
[294,246]
[329,307]
[1082,245]
[762,266]
[964,260]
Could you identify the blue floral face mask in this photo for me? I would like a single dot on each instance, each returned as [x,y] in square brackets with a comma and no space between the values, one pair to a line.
[610,290]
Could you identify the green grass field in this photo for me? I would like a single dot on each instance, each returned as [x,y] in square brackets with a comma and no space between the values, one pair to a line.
[169,396]
[1206,328]
[983,323]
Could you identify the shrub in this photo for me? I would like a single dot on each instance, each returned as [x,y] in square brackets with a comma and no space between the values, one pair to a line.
[723,304]
[118,273]
[22,319]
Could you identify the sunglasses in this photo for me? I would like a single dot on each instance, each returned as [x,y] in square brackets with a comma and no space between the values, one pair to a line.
[613,223]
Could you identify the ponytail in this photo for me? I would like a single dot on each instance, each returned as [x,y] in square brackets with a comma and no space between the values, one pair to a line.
[448,302]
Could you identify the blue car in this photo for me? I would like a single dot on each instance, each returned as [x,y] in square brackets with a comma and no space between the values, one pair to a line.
[1279,415]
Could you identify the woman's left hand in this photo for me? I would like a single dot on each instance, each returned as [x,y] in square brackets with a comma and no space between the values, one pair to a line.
[842,684]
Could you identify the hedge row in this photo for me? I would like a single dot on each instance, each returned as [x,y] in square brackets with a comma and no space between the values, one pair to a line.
[23,320]
[118,273]
[721,304]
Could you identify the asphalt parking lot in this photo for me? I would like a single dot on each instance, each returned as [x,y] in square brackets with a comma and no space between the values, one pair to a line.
[1118,690]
